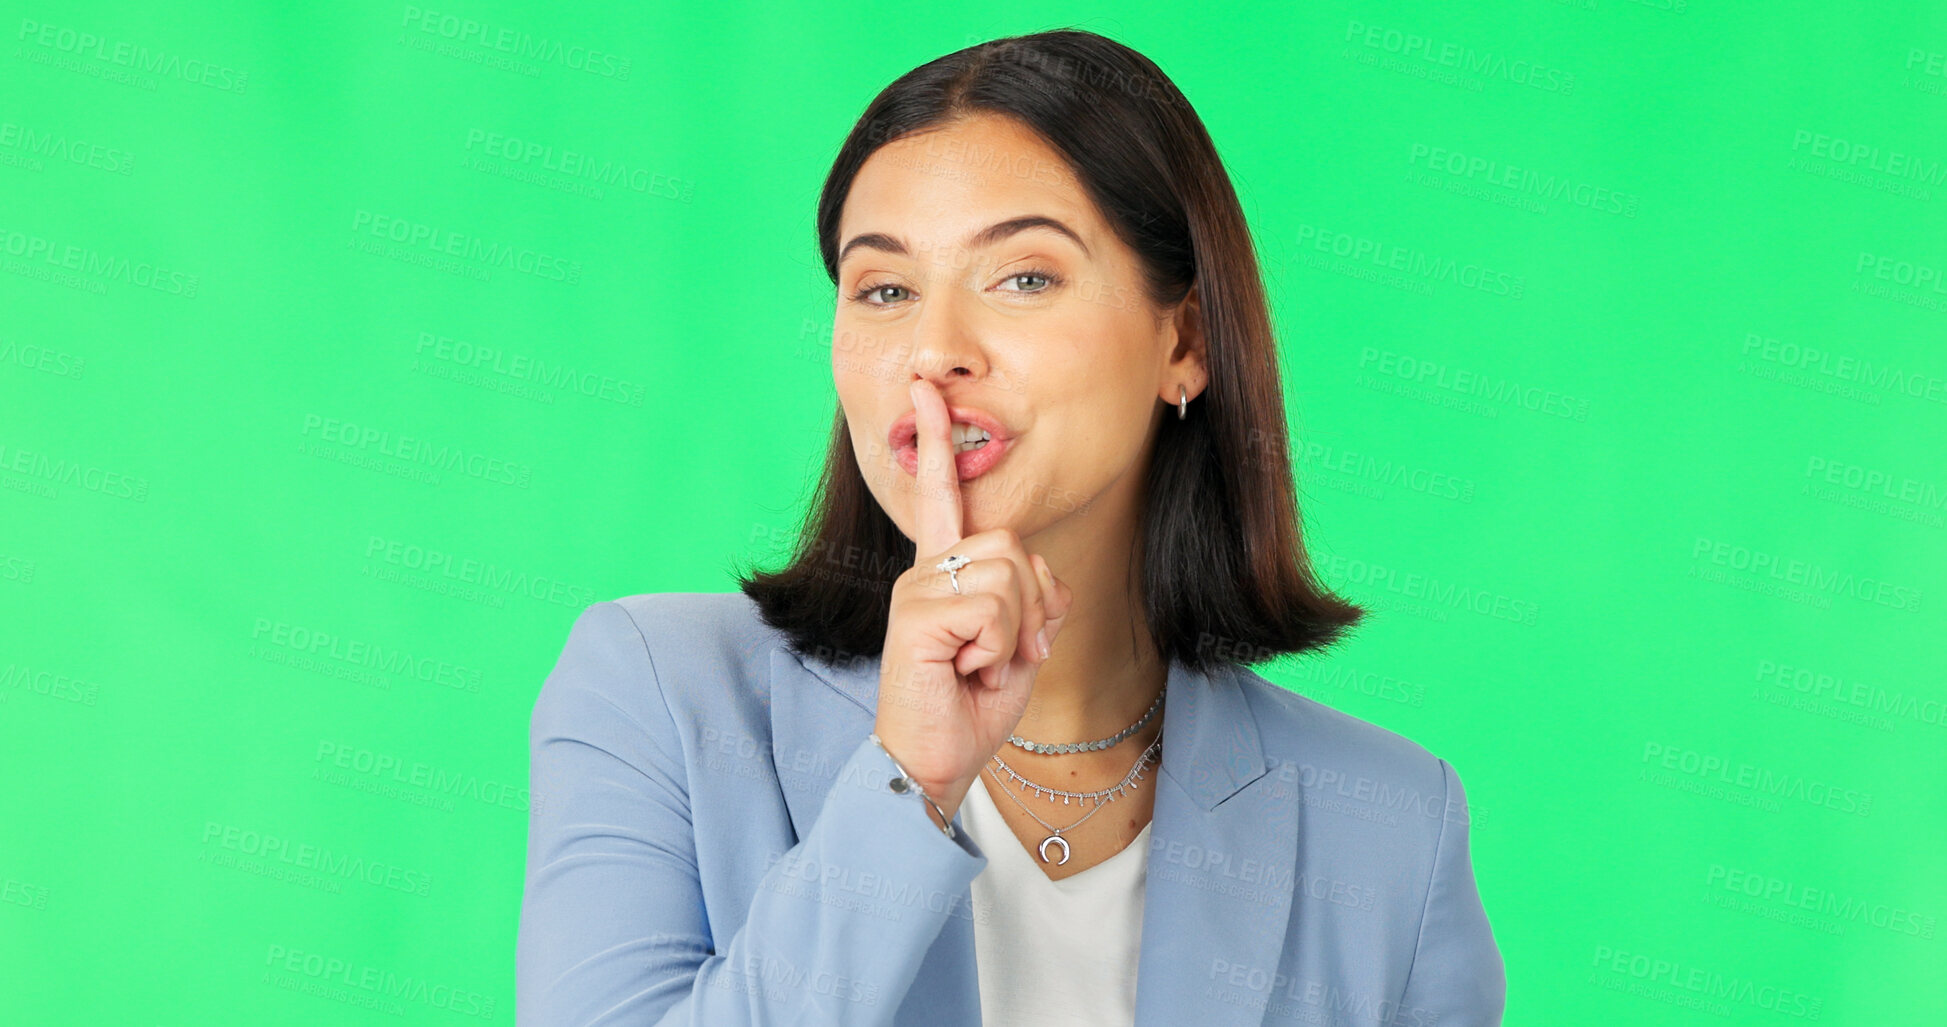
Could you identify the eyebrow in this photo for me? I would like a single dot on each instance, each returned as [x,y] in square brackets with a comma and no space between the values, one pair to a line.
[979,240]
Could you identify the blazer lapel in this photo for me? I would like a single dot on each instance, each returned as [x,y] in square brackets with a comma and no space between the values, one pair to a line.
[1222,848]
[1223,840]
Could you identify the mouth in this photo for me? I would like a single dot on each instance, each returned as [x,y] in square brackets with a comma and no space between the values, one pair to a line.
[972,457]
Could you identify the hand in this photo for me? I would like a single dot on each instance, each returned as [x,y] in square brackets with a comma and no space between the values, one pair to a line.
[957,670]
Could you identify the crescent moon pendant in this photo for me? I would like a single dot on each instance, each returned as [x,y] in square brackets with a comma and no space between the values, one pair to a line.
[1064,848]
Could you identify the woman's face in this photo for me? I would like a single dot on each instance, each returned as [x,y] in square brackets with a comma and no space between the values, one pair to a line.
[1045,338]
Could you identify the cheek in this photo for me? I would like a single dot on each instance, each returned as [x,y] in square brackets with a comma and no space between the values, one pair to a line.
[1100,427]
[865,353]
[860,394]
[867,416]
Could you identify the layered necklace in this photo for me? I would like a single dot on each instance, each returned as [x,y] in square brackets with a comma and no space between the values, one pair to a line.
[1100,798]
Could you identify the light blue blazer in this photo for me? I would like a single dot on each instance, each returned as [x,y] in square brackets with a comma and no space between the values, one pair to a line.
[714,842]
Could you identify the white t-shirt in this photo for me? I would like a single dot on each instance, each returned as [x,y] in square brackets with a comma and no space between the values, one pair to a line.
[1053,952]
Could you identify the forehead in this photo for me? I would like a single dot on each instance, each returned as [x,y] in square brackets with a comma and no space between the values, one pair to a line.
[937,186]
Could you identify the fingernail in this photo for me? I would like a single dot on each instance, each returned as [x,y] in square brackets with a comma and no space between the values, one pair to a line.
[1042,637]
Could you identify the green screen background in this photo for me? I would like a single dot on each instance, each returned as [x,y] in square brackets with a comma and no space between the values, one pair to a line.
[1613,342]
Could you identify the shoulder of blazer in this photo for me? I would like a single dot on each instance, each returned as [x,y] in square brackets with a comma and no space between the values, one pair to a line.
[699,642]
[696,617]
[1318,740]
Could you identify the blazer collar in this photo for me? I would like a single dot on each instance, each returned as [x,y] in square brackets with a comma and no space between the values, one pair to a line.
[1223,838]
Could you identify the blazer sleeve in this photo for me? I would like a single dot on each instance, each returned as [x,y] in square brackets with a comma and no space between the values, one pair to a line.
[613,928]
[1457,978]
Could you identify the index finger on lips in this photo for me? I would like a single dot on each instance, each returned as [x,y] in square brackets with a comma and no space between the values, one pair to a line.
[937,519]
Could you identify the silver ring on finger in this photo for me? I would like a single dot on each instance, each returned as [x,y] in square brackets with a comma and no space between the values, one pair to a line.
[951,565]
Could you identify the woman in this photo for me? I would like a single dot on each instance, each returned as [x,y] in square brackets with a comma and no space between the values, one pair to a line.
[1057,519]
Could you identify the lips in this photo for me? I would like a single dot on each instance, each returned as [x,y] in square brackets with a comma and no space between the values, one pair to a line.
[904,440]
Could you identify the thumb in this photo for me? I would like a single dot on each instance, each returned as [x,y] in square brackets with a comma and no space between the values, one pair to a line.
[1060,599]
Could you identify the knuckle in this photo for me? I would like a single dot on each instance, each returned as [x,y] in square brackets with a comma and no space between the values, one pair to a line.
[1002,538]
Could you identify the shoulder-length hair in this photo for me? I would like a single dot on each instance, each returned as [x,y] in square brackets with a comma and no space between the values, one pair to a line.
[1225,578]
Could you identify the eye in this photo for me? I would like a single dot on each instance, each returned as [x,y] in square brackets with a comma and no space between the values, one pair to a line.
[1049,277]
[867,290]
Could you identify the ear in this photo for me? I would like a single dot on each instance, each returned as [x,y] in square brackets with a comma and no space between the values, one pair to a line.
[1189,351]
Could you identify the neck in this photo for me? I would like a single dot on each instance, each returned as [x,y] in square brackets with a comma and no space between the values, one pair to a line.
[1105,671]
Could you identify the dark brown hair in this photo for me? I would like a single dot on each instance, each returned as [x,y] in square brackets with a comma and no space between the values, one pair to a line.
[1226,579]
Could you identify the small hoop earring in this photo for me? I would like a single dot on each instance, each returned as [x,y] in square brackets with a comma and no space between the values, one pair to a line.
[1182,403]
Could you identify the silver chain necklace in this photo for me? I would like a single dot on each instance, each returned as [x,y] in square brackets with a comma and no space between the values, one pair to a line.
[1063,748]
[1102,798]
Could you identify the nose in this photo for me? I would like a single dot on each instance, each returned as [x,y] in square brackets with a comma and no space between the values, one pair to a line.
[946,347]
